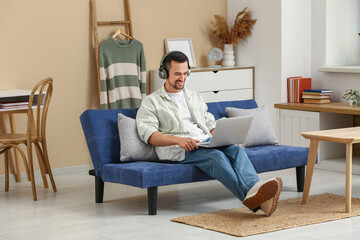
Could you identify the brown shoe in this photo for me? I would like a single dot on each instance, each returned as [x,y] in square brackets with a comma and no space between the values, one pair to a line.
[269,206]
[266,191]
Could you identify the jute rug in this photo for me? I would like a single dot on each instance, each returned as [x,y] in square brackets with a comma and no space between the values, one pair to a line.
[290,213]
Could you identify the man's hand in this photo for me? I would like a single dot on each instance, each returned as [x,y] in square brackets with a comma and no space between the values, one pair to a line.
[160,139]
[189,144]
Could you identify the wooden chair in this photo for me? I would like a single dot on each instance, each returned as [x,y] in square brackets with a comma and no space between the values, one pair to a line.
[35,134]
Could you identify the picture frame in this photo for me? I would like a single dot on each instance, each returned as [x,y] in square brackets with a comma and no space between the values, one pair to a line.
[184,45]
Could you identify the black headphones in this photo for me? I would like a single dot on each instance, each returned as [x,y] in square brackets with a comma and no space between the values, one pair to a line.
[163,71]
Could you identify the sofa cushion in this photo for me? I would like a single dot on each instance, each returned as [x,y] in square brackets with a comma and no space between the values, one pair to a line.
[131,146]
[261,131]
[271,158]
[151,174]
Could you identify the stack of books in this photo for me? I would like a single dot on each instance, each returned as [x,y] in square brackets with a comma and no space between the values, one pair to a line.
[316,95]
[13,105]
[295,88]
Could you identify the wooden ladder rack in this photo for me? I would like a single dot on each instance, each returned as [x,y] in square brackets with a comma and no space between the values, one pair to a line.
[95,24]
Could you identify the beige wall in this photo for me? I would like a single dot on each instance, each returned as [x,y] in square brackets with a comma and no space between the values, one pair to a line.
[41,38]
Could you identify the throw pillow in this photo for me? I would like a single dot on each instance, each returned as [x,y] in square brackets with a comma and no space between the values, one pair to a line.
[131,146]
[261,131]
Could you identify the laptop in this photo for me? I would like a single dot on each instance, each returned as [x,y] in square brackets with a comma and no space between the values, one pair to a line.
[229,131]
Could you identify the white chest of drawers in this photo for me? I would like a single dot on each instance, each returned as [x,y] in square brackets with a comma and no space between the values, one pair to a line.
[223,84]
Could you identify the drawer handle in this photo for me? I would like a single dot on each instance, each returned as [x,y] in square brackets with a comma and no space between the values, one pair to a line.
[215,92]
[215,71]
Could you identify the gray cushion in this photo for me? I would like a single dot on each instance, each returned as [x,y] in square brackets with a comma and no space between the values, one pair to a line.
[261,131]
[131,146]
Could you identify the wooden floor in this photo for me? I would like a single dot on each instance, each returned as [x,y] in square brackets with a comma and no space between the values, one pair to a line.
[72,214]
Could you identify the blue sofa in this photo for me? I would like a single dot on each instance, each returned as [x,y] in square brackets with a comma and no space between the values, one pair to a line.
[101,133]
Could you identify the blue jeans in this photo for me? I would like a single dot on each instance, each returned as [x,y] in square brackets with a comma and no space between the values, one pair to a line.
[230,165]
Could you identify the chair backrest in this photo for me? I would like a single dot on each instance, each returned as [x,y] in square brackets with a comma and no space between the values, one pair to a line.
[39,99]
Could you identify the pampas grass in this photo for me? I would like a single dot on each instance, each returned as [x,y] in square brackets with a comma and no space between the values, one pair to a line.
[241,29]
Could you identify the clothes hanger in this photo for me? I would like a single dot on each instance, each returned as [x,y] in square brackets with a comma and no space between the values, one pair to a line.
[121,31]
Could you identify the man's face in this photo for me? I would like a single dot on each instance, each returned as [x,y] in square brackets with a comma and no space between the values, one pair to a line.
[177,77]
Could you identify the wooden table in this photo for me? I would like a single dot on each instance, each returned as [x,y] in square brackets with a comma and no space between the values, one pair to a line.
[333,107]
[348,136]
[342,108]
[14,95]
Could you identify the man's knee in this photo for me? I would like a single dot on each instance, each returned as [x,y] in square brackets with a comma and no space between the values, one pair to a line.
[237,149]
[218,157]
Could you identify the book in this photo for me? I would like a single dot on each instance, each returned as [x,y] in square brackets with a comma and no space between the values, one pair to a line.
[303,83]
[312,96]
[317,100]
[290,88]
[296,86]
[9,105]
[14,95]
[319,90]
[17,95]
[15,107]
[13,103]
[316,93]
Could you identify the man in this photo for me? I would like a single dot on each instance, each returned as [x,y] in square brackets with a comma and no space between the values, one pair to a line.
[174,119]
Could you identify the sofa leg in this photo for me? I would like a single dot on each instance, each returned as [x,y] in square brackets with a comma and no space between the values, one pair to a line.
[152,200]
[99,190]
[300,178]
[99,187]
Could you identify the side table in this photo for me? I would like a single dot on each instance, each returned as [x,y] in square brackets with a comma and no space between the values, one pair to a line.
[349,136]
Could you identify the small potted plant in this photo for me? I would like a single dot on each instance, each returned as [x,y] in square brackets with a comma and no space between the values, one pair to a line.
[352,96]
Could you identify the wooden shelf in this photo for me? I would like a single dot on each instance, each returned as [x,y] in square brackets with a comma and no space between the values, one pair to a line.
[333,107]
[340,69]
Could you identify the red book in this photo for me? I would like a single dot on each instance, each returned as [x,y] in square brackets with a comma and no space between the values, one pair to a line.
[304,83]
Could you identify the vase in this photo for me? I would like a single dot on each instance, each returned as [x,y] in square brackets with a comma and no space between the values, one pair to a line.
[354,103]
[228,58]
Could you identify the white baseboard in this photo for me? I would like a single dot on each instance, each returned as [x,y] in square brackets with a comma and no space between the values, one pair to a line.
[339,165]
[55,171]
[72,169]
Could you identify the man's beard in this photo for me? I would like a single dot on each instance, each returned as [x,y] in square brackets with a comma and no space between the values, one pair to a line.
[176,87]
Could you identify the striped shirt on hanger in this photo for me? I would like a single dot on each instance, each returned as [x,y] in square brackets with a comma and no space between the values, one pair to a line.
[122,73]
